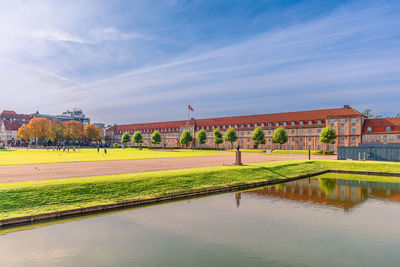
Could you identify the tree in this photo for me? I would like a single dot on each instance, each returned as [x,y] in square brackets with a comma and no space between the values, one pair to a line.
[40,129]
[57,131]
[279,136]
[231,136]
[258,136]
[126,138]
[327,136]
[186,138]
[137,138]
[25,133]
[218,137]
[99,134]
[73,130]
[201,137]
[156,138]
[91,133]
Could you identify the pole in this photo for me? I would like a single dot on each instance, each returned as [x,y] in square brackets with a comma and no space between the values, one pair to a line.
[309,154]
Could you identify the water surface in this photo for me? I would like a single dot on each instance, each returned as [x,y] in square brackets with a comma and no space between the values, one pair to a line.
[318,222]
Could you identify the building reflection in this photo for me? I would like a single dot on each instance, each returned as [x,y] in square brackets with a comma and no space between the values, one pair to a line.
[339,193]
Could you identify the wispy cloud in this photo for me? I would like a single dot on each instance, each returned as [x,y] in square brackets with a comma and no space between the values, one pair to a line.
[341,57]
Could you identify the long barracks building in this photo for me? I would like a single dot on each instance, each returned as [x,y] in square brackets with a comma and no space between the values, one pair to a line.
[302,128]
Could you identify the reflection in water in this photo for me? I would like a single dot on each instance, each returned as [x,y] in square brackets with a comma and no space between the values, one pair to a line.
[341,193]
[291,224]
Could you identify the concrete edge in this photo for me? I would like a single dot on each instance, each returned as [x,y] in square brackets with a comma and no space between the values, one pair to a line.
[142,202]
[366,173]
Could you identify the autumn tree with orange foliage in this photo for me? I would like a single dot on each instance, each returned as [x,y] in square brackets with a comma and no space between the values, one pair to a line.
[57,131]
[93,133]
[73,131]
[25,133]
[40,129]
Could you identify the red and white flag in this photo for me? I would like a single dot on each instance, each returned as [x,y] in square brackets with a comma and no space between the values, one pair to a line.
[190,107]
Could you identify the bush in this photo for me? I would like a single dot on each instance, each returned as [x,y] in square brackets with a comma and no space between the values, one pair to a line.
[327,153]
[115,145]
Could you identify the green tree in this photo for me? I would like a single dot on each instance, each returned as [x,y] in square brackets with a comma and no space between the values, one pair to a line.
[186,138]
[258,136]
[218,139]
[279,136]
[201,137]
[137,138]
[231,136]
[327,136]
[126,138]
[156,138]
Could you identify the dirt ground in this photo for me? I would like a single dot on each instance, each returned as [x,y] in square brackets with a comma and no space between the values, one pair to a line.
[36,172]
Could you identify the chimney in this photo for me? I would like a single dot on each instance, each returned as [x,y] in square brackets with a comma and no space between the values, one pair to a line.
[346,106]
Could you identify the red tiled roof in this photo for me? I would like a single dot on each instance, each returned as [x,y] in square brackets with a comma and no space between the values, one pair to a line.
[379,125]
[311,115]
[12,125]
[11,115]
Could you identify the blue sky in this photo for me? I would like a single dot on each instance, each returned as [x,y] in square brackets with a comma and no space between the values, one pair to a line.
[138,61]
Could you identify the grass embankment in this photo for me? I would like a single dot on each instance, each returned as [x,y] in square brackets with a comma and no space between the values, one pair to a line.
[35,156]
[300,152]
[367,178]
[21,199]
[28,198]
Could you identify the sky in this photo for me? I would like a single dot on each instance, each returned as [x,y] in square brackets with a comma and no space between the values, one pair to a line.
[141,61]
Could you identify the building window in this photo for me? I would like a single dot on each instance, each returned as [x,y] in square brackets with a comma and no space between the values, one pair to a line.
[385,137]
[309,139]
[300,131]
[248,133]
[372,137]
[342,130]
[388,128]
[293,123]
[269,124]
[310,131]
[309,147]
[301,122]
[342,121]
[342,138]
[242,126]
[235,126]
[284,147]
[353,129]
[398,136]
[292,139]
[353,138]
[248,125]
[292,131]
[255,125]
[269,131]
[309,122]
[301,139]
[277,124]
[269,139]
[353,121]
[378,137]
[319,122]
[292,147]
[223,126]
[366,137]
[301,147]
[285,123]
[332,147]
[262,124]
[318,130]
[391,137]
[369,129]
[319,147]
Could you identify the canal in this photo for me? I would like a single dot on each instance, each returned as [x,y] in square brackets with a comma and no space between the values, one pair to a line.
[311,222]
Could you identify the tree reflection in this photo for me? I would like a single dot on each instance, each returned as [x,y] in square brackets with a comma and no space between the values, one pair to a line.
[327,185]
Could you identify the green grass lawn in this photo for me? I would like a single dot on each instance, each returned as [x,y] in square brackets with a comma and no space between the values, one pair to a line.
[20,199]
[301,152]
[33,156]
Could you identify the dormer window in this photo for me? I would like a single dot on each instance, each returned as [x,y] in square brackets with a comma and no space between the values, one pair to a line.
[388,128]
[301,122]
[269,124]
[319,122]
[249,125]
[309,122]
[255,125]
[293,123]
[285,124]
[262,124]
[369,129]
[277,124]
